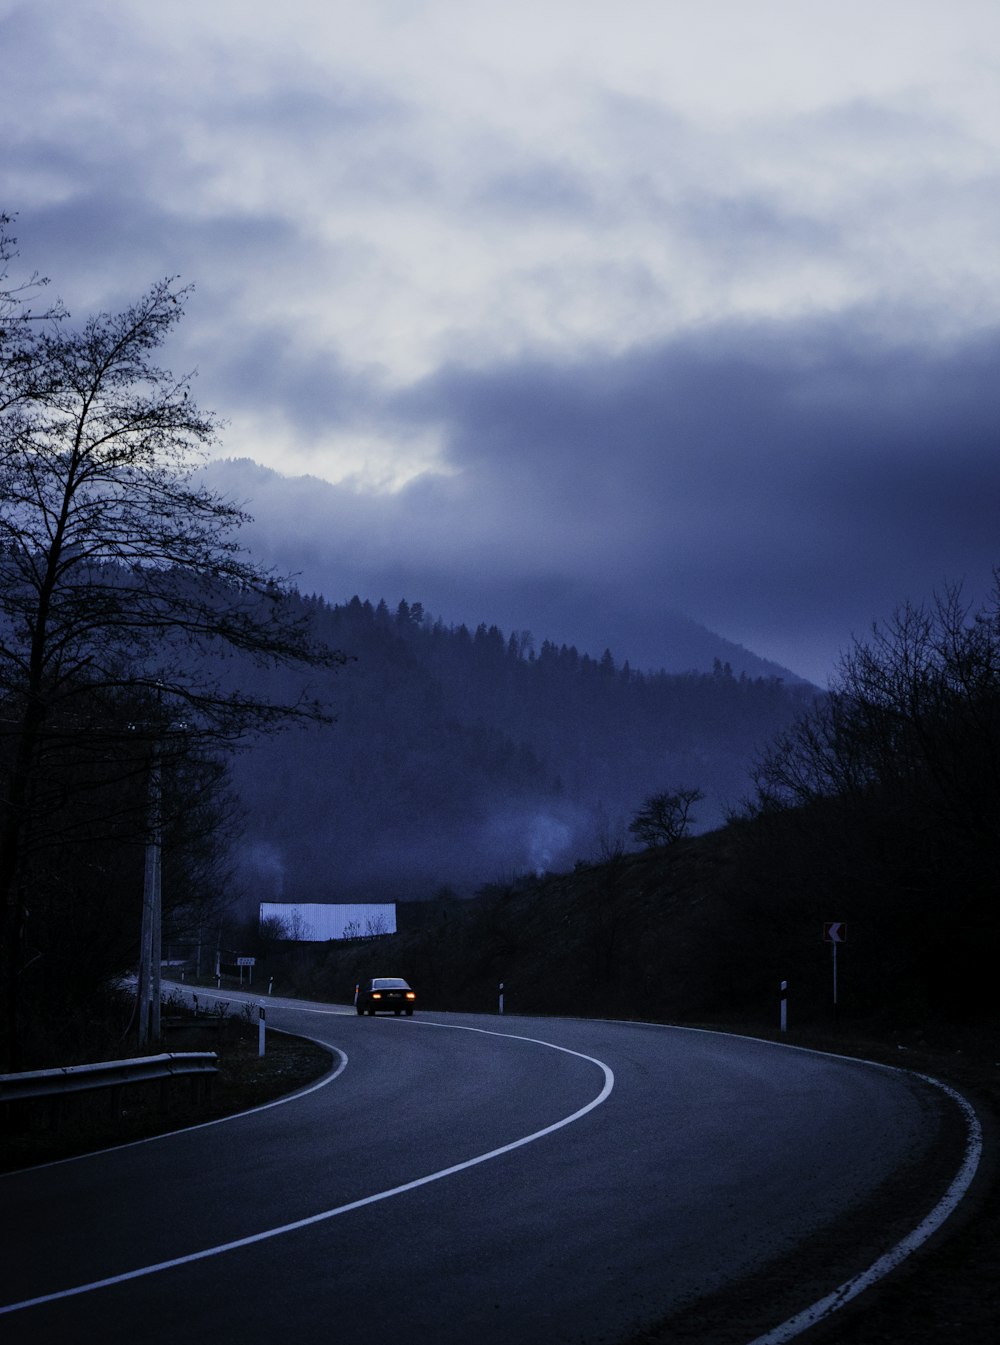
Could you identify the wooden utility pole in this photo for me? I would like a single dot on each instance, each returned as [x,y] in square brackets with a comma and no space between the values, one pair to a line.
[150,956]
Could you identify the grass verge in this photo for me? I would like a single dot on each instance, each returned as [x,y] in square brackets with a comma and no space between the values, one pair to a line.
[45,1133]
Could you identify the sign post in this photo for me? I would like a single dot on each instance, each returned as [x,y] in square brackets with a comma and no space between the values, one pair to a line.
[835,933]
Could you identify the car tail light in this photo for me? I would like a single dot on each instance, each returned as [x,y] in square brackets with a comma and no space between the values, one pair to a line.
[376,994]
[410,994]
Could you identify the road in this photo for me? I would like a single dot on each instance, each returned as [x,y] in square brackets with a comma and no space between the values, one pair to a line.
[463,1178]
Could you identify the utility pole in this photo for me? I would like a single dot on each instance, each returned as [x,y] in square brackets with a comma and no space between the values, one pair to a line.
[150,959]
[151,934]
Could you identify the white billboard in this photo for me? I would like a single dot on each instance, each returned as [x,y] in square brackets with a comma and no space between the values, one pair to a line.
[315,922]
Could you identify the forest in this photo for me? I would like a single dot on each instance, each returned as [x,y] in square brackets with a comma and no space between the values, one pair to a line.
[875,807]
[460,757]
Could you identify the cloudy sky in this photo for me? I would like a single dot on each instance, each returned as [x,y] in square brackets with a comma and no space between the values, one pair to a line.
[657,305]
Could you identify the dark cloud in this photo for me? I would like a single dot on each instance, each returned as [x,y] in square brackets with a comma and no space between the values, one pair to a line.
[547,189]
[351,211]
[783,485]
[898,126]
[739,228]
[795,480]
[119,239]
[289,110]
[275,372]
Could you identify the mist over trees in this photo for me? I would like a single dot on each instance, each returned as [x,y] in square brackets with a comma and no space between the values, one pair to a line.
[461,757]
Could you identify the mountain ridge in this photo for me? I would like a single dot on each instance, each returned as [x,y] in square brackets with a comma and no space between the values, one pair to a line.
[337,542]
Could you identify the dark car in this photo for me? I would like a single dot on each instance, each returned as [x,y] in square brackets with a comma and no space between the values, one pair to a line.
[384,994]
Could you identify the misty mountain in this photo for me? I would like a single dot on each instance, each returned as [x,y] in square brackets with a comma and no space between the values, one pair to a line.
[461,757]
[338,541]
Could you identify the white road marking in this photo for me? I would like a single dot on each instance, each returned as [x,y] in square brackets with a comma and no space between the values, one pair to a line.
[850,1289]
[956,1192]
[201,1125]
[780,1335]
[252,1239]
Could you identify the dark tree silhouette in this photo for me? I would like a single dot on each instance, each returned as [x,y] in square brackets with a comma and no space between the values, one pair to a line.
[665,818]
[895,780]
[123,586]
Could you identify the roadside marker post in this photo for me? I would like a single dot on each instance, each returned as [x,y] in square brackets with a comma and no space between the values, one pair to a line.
[261,1027]
[784,1006]
[501,997]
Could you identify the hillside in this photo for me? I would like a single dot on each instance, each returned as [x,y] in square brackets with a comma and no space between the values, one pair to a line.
[462,757]
[704,930]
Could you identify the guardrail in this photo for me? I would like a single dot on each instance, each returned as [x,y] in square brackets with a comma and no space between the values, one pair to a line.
[29,1085]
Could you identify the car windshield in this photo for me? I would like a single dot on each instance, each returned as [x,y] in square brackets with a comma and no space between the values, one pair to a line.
[390,983]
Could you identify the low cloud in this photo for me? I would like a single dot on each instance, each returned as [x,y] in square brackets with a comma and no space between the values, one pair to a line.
[784,486]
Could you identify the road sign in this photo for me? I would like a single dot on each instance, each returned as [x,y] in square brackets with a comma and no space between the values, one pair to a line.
[246,962]
[834,932]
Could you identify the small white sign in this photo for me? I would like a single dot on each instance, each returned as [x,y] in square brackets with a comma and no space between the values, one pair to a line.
[246,962]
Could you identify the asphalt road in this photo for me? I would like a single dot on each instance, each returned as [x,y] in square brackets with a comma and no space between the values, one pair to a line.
[485,1179]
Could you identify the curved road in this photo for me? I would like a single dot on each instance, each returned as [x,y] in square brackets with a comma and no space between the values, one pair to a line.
[496,1179]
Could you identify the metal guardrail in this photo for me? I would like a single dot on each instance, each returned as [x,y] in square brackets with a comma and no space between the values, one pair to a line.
[51,1083]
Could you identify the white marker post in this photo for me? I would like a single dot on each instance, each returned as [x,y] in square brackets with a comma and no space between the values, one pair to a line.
[261,1027]
[784,1006]
[501,997]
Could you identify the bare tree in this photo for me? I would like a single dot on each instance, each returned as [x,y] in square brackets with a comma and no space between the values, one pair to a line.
[914,715]
[665,818]
[274,929]
[21,325]
[891,786]
[123,580]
